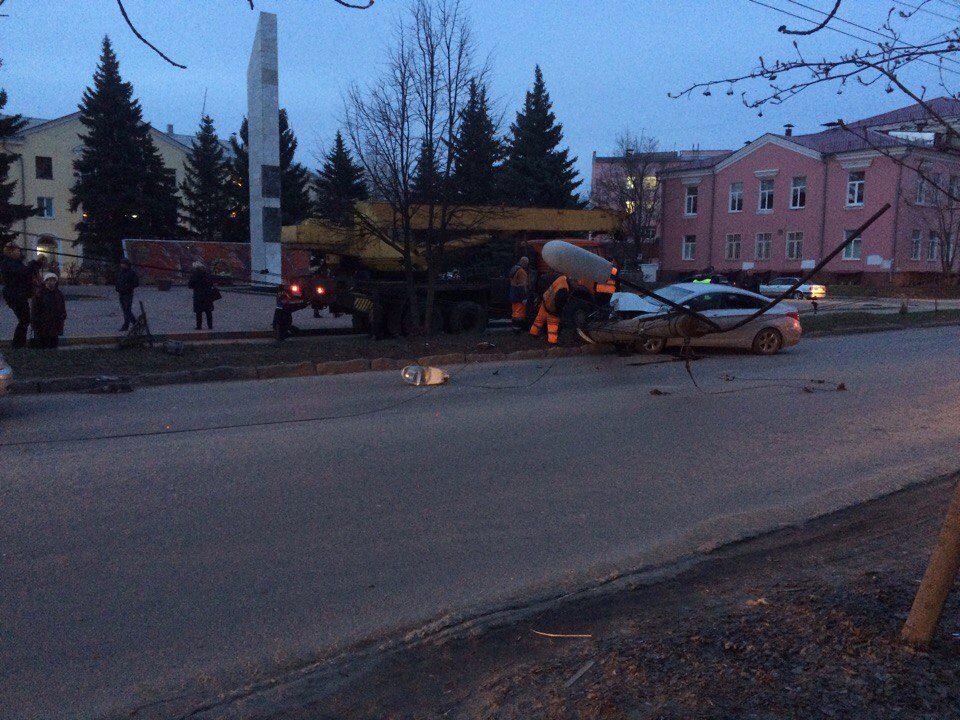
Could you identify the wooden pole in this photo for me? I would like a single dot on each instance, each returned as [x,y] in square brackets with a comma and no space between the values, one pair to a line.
[937,581]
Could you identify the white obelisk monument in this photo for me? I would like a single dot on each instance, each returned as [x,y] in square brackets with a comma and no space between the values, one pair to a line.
[263,146]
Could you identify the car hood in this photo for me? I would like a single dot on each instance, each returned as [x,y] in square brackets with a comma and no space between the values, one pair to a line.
[628,302]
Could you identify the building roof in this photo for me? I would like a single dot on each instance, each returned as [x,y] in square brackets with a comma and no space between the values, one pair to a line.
[912,115]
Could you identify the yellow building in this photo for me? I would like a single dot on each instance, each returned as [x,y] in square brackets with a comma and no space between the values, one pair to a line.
[44,176]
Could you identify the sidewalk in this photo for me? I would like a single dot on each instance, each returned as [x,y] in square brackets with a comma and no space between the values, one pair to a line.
[93,311]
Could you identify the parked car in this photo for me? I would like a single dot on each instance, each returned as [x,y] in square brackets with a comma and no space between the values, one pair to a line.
[780,285]
[767,334]
[6,376]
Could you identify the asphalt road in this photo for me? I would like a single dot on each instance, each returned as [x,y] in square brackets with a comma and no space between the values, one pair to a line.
[227,531]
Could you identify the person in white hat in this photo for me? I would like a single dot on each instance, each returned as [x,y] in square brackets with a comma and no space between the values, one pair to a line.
[48,313]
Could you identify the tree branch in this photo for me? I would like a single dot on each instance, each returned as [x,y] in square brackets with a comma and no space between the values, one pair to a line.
[783,28]
[123,11]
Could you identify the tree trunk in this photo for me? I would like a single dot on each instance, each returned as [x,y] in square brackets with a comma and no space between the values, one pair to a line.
[937,581]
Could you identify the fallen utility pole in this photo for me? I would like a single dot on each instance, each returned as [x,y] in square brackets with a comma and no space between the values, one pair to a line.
[937,581]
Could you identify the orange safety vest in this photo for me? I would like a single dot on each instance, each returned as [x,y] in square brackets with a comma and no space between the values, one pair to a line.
[610,285]
[549,296]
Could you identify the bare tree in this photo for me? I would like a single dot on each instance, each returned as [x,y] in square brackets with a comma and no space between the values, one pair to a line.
[930,206]
[403,129]
[629,184]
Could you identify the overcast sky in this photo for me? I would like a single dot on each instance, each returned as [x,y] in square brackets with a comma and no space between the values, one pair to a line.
[608,64]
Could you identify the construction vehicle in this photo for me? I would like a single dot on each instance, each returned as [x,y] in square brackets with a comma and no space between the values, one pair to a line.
[360,269]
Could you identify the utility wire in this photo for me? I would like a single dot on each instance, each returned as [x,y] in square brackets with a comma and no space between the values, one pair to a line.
[843,32]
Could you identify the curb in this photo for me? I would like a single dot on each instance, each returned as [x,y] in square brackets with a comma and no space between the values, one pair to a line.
[231,373]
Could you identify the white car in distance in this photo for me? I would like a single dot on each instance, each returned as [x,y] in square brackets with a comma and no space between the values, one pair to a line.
[780,285]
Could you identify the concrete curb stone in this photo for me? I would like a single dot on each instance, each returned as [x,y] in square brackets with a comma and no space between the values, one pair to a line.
[448,359]
[66,384]
[302,369]
[380,364]
[527,355]
[24,387]
[485,357]
[342,367]
[178,377]
[223,373]
[559,352]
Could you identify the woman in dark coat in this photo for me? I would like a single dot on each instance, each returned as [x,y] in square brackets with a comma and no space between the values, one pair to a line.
[17,279]
[48,313]
[204,293]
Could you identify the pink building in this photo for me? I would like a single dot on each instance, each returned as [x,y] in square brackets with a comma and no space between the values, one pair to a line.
[782,202]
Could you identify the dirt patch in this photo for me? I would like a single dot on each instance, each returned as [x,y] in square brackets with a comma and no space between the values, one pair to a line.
[801,623]
[38,364]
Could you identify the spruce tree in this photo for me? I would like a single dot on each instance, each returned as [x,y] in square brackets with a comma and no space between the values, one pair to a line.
[537,173]
[427,184]
[295,205]
[339,185]
[121,182]
[205,199]
[476,152]
[10,212]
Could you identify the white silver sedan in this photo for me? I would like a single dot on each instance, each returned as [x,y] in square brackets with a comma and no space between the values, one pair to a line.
[780,285]
[645,324]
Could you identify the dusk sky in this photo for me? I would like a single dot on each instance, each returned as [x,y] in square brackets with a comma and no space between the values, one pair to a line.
[608,64]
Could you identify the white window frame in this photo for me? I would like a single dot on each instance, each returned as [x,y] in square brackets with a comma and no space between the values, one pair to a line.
[765,196]
[854,250]
[735,198]
[733,246]
[921,198]
[798,192]
[794,244]
[690,201]
[856,185]
[916,245]
[933,249]
[764,240]
[46,208]
[688,247]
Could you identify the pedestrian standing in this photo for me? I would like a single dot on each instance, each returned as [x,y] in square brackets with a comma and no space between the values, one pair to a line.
[127,282]
[551,308]
[18,289]
[204,293]
[519,282]
[49,312]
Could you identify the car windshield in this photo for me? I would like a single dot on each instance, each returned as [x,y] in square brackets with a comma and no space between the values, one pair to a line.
[784,281]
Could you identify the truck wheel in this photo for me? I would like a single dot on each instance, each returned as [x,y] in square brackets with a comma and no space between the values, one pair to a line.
[395,321]
[467,317]
[436,324]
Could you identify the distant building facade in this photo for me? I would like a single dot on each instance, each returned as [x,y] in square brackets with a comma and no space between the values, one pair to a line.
[44,176]
[780,204]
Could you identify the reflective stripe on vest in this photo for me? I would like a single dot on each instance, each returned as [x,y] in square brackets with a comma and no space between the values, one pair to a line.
[548,297]
[610,286]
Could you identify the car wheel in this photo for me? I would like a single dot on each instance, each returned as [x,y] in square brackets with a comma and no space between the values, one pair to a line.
[798,295]
[651,345]
[768,342]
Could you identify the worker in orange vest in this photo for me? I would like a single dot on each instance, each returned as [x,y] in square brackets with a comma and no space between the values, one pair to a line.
[519,281]
[551,308]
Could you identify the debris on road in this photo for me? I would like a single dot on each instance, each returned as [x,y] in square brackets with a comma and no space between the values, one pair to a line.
[423,375]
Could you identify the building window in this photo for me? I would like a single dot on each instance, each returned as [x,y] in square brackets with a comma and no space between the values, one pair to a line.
[732,251]
[798,193]
[933,249]
[794,246]
[45,204]
[631,182]
[690,204]
[766,196]
[921,189]
[736,197]
[689,247]
[44,167]
[927,191]
[855,182]
[650,182]
[955,188]
[631,207]
[915,243]
[851,251]
[764,240]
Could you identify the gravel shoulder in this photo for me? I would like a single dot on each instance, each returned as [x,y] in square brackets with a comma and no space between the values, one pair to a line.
[801,623]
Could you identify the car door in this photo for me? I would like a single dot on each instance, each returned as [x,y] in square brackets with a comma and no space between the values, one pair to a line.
[727,309]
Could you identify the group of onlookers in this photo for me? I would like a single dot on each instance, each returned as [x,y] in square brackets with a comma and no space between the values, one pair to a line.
[32,293]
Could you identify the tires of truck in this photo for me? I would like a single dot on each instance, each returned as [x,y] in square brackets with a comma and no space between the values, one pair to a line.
[395,323]
[436,322]
[466,317]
